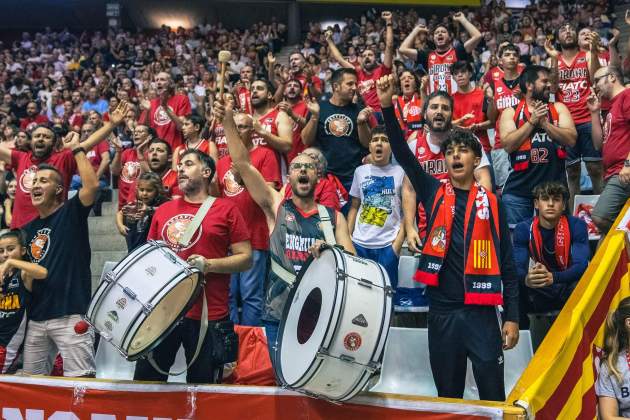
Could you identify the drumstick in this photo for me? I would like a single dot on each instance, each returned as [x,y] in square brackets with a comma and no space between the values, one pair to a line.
[224,57]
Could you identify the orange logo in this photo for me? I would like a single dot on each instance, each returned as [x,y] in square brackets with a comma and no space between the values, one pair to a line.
[26,179]
[174,229]
[338,125]
[130,171]
[40,245]
[231,186]
[160,117]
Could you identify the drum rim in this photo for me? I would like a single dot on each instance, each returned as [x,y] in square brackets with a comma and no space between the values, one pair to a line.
[285,312]
[167,331]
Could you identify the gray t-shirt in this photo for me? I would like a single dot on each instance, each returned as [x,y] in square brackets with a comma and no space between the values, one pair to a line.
[608,386]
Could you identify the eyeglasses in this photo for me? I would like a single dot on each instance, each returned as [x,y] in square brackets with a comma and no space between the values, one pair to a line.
[297,166]
[597,79]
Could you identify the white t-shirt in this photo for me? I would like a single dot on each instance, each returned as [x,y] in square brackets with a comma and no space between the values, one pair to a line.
[436,149]
[607,385]
[380,213]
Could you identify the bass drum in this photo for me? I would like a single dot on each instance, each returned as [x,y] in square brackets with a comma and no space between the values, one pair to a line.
[334,327]
[141,300]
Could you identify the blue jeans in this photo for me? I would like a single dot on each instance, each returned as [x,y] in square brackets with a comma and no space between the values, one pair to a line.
[271,331]
[385,257]
[517,208]
[249,286]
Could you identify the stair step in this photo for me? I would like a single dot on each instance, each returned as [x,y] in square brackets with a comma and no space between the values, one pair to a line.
[100,257]
[111,241]
[102,225]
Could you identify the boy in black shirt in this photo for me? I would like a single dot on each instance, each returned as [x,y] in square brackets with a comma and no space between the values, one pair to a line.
[466,263]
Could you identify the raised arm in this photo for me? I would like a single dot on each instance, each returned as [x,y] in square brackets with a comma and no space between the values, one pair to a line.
[388,59]
[473,32]
[334,51]
[342,235]
[511,137]
[89,181]
[553,64]
[116,117]
[309,132]
[407,47]
[363,126]
[594,107]
[592,56]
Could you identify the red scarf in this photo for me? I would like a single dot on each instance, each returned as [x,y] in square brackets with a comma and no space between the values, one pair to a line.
[562,243]
[482,273]
[409,121]
[521,159]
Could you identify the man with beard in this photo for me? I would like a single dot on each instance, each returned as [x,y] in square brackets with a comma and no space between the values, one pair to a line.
[126,163]
[311,84]
[242,89]
[437,62]
[219,247]
[370,71]
[33,117]
[612,140]
[272,126]
[466,263]
[297,110]
[574,69]
[535,135]
[295,225]
[247,287]
[340,127]
[408,105]
[158,155]
[426,145]
[165,113]
[58,240]
[43,150]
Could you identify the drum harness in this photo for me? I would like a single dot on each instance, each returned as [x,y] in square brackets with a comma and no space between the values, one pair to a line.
[184,240]
[329,236]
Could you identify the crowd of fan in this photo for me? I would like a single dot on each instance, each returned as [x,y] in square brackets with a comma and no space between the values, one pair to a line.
[139,100]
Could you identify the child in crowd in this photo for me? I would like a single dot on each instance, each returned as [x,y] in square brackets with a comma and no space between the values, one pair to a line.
[16,283]
[7,205]
[134,219]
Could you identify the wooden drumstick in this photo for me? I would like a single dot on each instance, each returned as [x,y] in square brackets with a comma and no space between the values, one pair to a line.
[224,57]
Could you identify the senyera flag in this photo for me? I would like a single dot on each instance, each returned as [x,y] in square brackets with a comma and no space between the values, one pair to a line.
[559,382]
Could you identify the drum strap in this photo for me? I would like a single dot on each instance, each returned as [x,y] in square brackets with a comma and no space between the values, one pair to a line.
[284,274]
[326,225]
[203,329]
[196,221]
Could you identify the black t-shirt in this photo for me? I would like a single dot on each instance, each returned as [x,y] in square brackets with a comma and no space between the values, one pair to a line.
[338,137]
[13,301]
[61,243]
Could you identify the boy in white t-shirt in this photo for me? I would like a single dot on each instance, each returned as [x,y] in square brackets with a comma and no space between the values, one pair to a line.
[375,216]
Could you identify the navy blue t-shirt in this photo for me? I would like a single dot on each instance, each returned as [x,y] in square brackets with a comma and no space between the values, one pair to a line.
[60,242]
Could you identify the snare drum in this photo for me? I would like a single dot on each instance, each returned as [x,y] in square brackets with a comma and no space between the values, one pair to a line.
[334,327]
[141,300]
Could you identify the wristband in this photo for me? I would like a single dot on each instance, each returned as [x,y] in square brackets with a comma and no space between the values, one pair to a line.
[77,151]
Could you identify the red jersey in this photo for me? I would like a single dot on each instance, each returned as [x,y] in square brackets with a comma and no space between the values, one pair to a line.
[169,181]
[497,72]
[472,102]
[165,127]
[28,123]
[25,167]
[300,109]
[367,85]
[616,132]
[504,97]
[203,146]
[222,227]
[440,77]
[264,160]
[315,81]
[217,135]
[432,162]
[128,175]
[269,124]
[574,86]
[409,113]
[95,155]
[325,194]
[244,100]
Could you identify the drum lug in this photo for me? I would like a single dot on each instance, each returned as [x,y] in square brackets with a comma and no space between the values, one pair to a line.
[323,352]
[132,295]
[373,366]
[341,276]
[147,308]
[365,283]
[346,358]
[110,277]
[389,290]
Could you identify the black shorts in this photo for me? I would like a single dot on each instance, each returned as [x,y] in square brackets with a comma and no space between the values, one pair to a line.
[583,149]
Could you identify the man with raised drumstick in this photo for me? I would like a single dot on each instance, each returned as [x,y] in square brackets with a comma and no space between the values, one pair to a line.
[219,246]
[297,226]
[466,263]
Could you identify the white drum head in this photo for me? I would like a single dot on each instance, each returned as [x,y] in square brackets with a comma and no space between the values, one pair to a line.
[307,321]
[164,315]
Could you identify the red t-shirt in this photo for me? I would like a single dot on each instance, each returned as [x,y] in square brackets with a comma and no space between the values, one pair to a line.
[264,160]
[472,102]
[244,100]
[28,123]
[128,176]
[203,146]
[616,132]
[75,120]
[94,155]
[315,81]
[367,85]
[298,146]
[25,167]
[169,181]
[167,129]
[217,135]
[325,194]
[222,227]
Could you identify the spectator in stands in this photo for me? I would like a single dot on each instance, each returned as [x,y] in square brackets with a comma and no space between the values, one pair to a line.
[375,217]
[341,128]
[7,205]
[158,161]
[369,71]
[551,252]
[535,135]
[437,63]
[247,287]
[312,85]
[94,102]
[295,107]
[58,240]
[612,140]
[191,130]
[33,117]
[408,105]
[272,126]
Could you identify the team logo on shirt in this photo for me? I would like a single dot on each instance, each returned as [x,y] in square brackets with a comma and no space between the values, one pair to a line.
[130,171]
[26,179]
[160,117]
[231,186]
[438,239]
[338,125]
[289,217]
[174,229]
[40,244]
[607,127]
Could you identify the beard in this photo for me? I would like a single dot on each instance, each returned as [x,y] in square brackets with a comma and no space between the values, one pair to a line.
[41,153]
[541,95]
[569,45]
[191,186]
[446,127]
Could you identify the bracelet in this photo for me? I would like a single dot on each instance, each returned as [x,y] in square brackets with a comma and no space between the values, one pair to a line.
[77,151]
